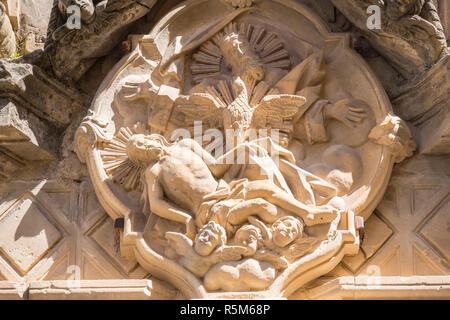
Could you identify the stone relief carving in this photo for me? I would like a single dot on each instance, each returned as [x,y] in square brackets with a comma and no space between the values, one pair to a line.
[412,25]
[73,51]
[263,215]
[240,3]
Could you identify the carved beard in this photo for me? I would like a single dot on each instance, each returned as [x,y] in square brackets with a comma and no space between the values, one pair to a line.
[241,59]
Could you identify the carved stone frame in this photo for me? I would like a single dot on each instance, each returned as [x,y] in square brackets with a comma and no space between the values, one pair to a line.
[100,127]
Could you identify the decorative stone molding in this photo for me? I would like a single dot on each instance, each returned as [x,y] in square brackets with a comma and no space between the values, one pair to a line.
[102,290]
[369,287]
[343,288]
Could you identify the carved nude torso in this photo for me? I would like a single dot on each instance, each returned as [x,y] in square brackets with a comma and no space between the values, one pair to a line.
[185,177]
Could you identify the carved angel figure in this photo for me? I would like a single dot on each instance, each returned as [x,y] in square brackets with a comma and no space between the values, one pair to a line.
[266,252]
[208,248]
[285,237]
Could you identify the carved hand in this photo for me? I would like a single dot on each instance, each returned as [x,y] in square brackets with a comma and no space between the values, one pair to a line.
[133,91]
[345,113]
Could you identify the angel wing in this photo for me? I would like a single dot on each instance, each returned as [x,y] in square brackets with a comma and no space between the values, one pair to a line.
[273,109]
[277,261]
[200,106]
[265,231]
[179,242]
[299,248]
[229,253]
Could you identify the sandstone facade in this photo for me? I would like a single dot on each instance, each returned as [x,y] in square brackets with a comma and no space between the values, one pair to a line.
[266,149]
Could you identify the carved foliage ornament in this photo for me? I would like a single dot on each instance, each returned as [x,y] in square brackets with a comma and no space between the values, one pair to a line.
[284,214]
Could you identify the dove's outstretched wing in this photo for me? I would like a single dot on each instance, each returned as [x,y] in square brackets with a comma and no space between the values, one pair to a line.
[274,109]
[200,107]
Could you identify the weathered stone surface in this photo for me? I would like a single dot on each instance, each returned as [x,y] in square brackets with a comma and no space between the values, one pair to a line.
[73,52]
[7,38]
[26,235]
[372,288]
[13,12]
[410,36]
[101,290]
[31,88]
[25,135]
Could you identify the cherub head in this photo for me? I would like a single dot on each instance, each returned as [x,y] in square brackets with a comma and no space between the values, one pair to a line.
[399,8]
[248,236]
[285,230]
[144,149]
[87,8]
[208,238]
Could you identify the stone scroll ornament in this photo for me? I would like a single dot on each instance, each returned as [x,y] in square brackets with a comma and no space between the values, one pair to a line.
[284,214]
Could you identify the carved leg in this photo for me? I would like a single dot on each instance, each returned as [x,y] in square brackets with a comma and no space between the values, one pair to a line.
[260,207]
[269,191]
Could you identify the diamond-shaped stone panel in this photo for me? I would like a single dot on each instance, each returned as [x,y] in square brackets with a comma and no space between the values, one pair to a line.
[104,236]
[437,230]
[375,235]
[26,235]
[421,194]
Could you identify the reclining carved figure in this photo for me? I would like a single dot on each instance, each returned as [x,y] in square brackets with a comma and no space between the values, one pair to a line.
[178,177]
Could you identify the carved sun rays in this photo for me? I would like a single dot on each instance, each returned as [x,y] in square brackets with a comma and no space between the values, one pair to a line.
[208,59]
[117,164]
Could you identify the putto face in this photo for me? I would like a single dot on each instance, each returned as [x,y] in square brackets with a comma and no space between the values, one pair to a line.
[206,241]
[285,231]
[248,237]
